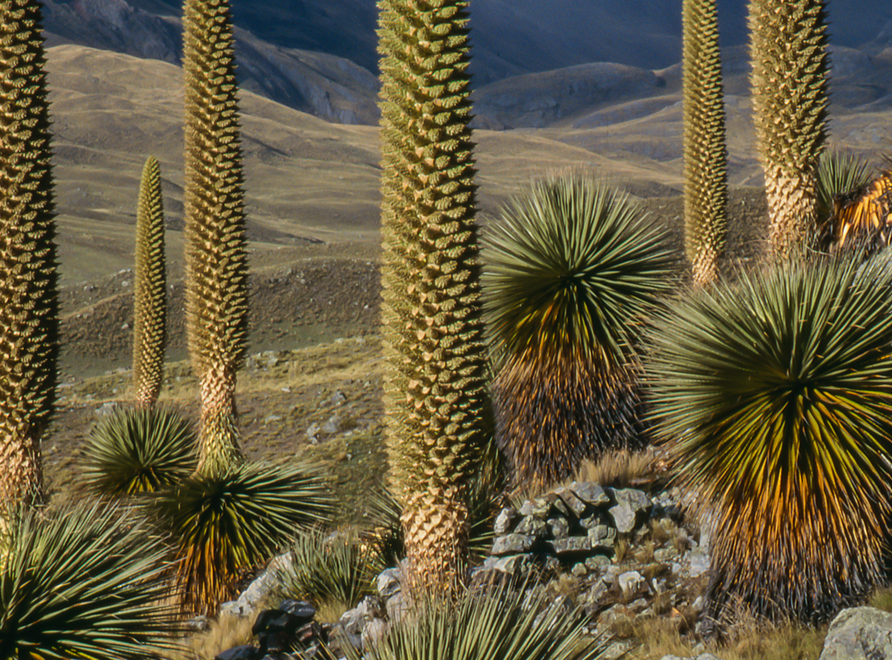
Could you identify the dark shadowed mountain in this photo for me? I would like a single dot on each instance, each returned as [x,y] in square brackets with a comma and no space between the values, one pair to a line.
[319,56]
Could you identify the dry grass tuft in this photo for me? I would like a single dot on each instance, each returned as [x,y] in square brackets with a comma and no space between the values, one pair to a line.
[225,633]
[747,638]
[620,468]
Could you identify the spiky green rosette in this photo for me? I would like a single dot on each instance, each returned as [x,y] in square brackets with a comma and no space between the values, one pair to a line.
[328,569]
[29,325]
[777,393]
[435,394]
[87,582]
[227,523]
[216,260]
[705,153]
[150,288]
[842,179]
[489,623]
[572,272]
[790,99]
[139,450]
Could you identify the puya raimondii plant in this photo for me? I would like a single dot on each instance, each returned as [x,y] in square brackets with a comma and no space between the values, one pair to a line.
[28,279]
[776,393]
[230,515]
[150,289]
[216,258]
[435,397]
[790,100]
[705,152]
[572,271]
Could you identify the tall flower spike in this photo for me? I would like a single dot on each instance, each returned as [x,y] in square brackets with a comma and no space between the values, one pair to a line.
[705,154]
[790,65]
[28,279]
[150,290]
[216,259]
[435,397]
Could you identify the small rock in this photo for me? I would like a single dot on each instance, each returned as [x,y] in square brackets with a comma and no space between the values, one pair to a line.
[559,527]
[353,621]
[557,504]
[332,426]
[338,398]
[593,595]
[373,633]
[540,507]
[571,545]
[246,652]
[598,562]
[505,521]
[397,606]
[631,506]
[313,431]
[532,526]
[665,555]
[612,573]
[199,624]
[590,493]
[630,582]
[576,505]
[512,544]
[388,582]
[299,608]
[106,409]
[859,633]
[511,565]
[579,570]
[591,522]
[699,564]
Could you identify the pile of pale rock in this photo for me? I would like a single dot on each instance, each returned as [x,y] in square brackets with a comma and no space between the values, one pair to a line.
[620,554]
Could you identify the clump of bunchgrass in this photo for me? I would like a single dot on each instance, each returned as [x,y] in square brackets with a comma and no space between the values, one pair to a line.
[226,523]
[776,394]
[86,581]
[333,571]
[492,623]
[572,270]
[139,450]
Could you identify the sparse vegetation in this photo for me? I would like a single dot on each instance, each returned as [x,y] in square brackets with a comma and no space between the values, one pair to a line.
[333,571]
[839,176]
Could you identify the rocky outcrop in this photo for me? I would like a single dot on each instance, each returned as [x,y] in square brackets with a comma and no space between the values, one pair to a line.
[859,633]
